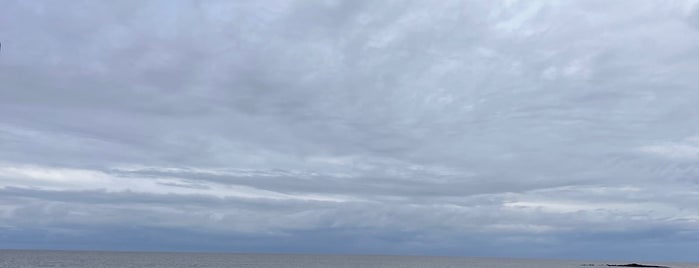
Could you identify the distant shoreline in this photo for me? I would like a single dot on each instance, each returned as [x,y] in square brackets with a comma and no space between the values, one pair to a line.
[581,262]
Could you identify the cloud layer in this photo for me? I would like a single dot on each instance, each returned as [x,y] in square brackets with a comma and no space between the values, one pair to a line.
[398,126]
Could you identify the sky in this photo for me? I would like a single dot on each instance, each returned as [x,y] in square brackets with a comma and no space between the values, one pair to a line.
[535,129]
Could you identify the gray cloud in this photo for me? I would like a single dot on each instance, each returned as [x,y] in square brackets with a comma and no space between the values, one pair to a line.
[495,119]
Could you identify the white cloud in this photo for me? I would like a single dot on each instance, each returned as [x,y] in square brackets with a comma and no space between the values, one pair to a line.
[688,149]
[64,179]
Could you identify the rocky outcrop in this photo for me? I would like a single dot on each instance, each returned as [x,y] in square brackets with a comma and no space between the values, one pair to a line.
[636,265]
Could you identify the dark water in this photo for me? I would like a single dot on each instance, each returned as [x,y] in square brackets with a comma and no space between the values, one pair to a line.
[94,259]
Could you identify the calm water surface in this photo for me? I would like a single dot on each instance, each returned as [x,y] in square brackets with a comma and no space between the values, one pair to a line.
[94,259]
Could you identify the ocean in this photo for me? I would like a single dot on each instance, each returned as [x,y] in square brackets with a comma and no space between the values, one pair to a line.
[104,259]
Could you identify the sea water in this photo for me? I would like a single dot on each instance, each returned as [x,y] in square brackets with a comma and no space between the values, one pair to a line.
[99,259]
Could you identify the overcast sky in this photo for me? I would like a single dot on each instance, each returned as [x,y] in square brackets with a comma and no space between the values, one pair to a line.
[547,129]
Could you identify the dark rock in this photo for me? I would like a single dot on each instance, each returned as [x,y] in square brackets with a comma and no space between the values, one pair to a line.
[636,265]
